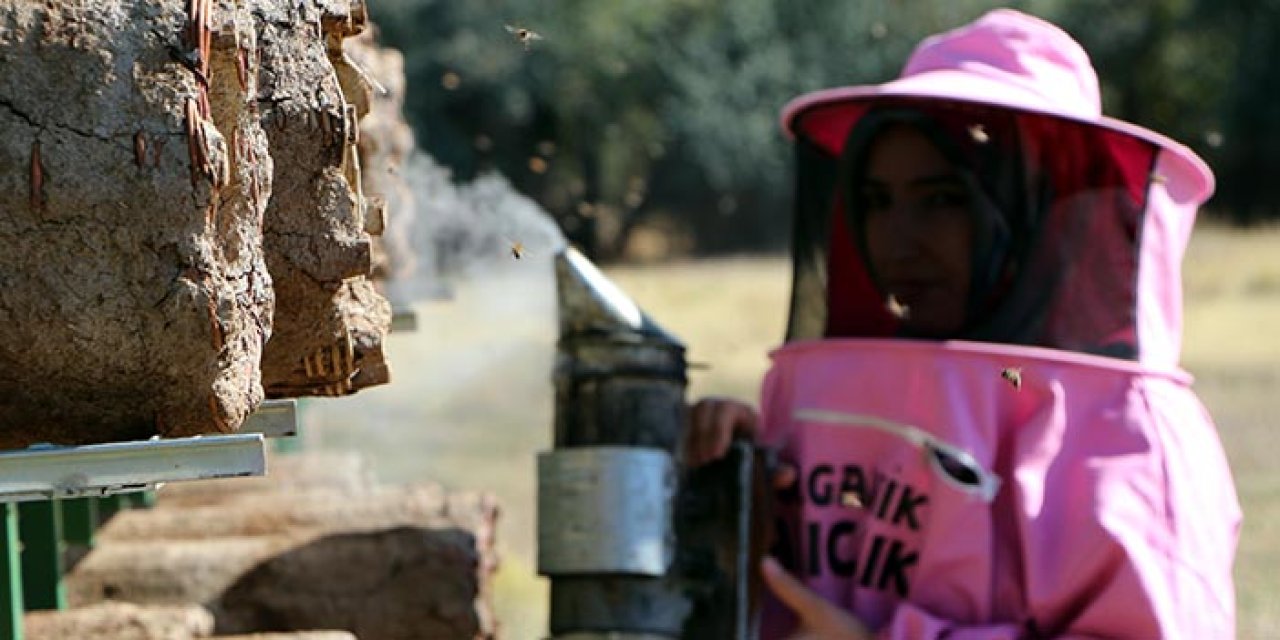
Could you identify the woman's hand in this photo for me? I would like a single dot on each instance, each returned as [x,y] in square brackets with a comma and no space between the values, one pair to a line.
[713,423]
[819,619]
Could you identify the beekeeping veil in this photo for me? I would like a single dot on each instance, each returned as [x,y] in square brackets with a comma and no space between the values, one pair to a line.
[1079,220]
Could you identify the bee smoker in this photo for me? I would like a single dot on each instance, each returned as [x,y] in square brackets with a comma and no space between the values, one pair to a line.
[635,549]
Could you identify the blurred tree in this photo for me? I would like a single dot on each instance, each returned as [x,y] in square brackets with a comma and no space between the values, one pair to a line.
[635,109]
[1248,105]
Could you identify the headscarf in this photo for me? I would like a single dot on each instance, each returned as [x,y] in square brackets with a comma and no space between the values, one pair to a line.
[1056,206]
[988,161]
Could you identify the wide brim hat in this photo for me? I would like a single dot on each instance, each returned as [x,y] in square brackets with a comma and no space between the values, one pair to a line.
[1005,59]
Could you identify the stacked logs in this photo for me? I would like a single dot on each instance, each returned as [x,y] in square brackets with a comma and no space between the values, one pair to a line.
[386,142]
[291,554]
[185,229]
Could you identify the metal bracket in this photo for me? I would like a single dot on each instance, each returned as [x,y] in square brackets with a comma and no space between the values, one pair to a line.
[45,472]
[273,419]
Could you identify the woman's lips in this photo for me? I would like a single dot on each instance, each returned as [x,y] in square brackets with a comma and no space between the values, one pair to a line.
[909,291]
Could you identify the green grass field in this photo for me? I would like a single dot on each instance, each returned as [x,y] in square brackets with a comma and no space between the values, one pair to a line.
[470,401]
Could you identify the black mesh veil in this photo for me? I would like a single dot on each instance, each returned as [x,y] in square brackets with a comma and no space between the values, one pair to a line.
[1056,212]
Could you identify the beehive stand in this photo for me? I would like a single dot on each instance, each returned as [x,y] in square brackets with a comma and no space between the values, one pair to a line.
[53,496]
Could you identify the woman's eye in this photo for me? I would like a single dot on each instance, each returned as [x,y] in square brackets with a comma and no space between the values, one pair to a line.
[947,198]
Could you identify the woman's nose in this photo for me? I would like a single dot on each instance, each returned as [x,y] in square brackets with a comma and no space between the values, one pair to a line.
[906,232]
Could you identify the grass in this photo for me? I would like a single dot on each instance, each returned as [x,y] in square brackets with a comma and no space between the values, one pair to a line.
[470,401]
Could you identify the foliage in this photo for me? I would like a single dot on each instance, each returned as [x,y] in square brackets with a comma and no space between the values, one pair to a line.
[630,109]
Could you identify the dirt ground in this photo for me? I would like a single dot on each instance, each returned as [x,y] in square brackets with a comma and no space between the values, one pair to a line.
[470,400]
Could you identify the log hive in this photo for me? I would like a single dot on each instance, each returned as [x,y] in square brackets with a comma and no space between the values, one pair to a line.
[185,229]
[330,323]
[386,142]
[135,296]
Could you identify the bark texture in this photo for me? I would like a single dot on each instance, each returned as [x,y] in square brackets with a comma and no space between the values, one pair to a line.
[120,621]
[184,228]
[300,635]
[134,295]
[291,555]
[345,472]
[386,140]
[330,323]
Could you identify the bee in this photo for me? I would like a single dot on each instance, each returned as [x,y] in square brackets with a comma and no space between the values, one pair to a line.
[851,500]
[1013,375]
[896,308]
[517,249]
[140,149]
[979,134]
[523,35]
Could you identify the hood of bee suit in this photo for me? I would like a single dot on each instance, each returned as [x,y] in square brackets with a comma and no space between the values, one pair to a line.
[1094,221]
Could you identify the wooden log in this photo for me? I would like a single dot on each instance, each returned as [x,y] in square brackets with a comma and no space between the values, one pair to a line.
[431,579]
[120,621]
[330,324]
[298,635]
[136,297]
[403,583]
[386,142]
[309,510]
[173,572]
[341,472]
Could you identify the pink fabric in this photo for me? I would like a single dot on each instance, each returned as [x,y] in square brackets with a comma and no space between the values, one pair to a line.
[1006,59]
[1171,213]
[1131,284]
[1110,510]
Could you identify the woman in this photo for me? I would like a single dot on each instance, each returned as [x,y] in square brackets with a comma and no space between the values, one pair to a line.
[988,432]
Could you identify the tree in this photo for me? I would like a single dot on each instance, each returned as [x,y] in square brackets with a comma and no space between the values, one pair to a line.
[632,109]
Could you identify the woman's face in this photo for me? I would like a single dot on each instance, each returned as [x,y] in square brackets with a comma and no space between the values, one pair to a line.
[918,230]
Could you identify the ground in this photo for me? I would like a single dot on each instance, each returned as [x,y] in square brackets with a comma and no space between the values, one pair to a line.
[470,401]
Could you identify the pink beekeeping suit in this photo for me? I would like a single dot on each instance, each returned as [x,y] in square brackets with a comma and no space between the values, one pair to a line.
[1065,482]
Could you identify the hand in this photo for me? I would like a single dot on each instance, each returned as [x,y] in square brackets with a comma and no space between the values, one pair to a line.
[713,423]
[819,619]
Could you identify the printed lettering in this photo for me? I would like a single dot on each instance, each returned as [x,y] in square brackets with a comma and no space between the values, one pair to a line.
[895,568]
[841,566]
[853,481]
[868,569]
[906,510]
[823,498]
[815,549]
[886,498]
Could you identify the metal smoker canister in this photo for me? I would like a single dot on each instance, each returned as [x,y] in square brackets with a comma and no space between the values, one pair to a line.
[606,492]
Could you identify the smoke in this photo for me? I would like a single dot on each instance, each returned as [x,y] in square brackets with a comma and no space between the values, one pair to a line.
[470,402]
[462,231]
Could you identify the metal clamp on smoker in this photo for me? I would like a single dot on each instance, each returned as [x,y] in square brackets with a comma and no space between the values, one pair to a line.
[635,547]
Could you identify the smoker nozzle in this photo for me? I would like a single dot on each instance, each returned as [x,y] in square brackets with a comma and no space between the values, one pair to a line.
[589,303]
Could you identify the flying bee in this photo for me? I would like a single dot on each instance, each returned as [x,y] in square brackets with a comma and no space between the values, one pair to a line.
[896,308]
[517,249]
[1013,375]
[523,35]
[979,134]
